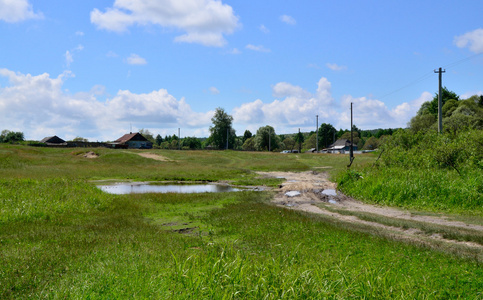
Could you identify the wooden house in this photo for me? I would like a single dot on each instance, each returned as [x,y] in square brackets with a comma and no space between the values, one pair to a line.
[132,140]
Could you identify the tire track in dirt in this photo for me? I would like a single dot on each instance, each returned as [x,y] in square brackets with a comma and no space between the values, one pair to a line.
[310,198]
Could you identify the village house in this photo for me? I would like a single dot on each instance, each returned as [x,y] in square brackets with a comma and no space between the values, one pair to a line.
[341,146]
[132,140]
[53,141]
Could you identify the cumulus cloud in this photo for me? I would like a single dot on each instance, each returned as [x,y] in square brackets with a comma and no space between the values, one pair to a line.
[203,21]
[335,67]
[17,11]
[473,40]
[214,90]
[258,48]
[40,107]
[295,107]
[288,20]
[135,59]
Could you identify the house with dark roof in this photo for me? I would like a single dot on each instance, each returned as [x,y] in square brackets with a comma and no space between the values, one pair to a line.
[132,140]
[53,141]
[341,146]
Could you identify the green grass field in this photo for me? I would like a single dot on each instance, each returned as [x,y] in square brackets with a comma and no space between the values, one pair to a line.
[61,237]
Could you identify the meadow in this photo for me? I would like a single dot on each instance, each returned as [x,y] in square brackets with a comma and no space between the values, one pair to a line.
[61,237]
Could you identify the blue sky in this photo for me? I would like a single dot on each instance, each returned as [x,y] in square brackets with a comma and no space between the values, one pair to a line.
[97,68]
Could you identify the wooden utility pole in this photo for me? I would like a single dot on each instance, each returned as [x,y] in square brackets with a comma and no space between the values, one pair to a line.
[317,134]
[351,151]
[440,100]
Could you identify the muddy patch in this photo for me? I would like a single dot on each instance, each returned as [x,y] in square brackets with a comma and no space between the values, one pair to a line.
[90,154]
[313,192]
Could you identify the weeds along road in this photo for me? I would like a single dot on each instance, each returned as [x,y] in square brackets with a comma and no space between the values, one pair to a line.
[435,231]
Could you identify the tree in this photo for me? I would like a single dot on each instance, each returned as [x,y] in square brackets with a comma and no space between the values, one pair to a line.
[422,122]
[266,139]
[148,135]
[191,143]
[249,144]
[431,107]
[299,139]
[159,140]
[310,142]
[289,143]
[80,139]
[246,135]
[326,135]
[371,143]
[8,136]
[222,123]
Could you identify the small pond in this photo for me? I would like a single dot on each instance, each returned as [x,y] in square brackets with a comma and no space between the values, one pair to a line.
[140,188]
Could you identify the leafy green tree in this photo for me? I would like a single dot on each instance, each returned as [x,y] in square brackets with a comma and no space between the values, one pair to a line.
[371,143]
[8,136]
[423,122]
[148,135]
[310,142]
[80,139]
[266,138]
[431,107]
[326,135]
[289,143]
[222,126]
[191,143]
[249,144]
[246,136]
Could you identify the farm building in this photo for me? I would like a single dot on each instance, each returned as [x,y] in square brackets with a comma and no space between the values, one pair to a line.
[341,146]
[53,141]
[132,140]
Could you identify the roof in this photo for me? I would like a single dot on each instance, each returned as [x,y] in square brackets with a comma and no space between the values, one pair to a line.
[52,140]
[131,137]
[340,143]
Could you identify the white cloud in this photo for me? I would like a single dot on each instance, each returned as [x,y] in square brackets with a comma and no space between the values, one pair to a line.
[473,40]
[68,58]
[288,20]
[214,90]
[264,29]
[258,48]
[12,11]
[335,67]
[135,59]
[38,106]
[204,21]
[79,33]
[297,108]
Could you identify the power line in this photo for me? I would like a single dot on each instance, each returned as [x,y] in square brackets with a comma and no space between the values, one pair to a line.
[430,74]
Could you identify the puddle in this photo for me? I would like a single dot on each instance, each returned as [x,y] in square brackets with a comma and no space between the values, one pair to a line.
[329,192]
[292,194]
[140,188]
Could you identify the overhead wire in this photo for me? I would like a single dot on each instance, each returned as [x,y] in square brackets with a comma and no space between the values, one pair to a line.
[429,74]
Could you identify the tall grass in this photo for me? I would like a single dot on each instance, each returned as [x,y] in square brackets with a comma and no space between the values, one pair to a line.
[432,172]
[245,249]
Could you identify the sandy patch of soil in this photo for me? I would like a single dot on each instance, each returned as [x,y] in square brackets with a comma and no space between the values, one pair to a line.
[315,189]
[90,154]
[154,156]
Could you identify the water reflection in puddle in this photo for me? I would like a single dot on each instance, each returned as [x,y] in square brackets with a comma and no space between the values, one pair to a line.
[329,192]
[140,188]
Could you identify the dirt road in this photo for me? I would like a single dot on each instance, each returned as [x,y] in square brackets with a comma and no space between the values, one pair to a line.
[313,192]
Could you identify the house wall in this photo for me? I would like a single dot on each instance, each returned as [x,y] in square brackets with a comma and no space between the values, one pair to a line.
[140,144]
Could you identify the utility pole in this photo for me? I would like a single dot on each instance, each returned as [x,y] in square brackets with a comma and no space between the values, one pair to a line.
[179,140]
[351,151]
[440,100]
[227,138]
[317,134]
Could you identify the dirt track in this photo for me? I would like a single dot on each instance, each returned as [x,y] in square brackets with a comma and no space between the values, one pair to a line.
[311,186]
